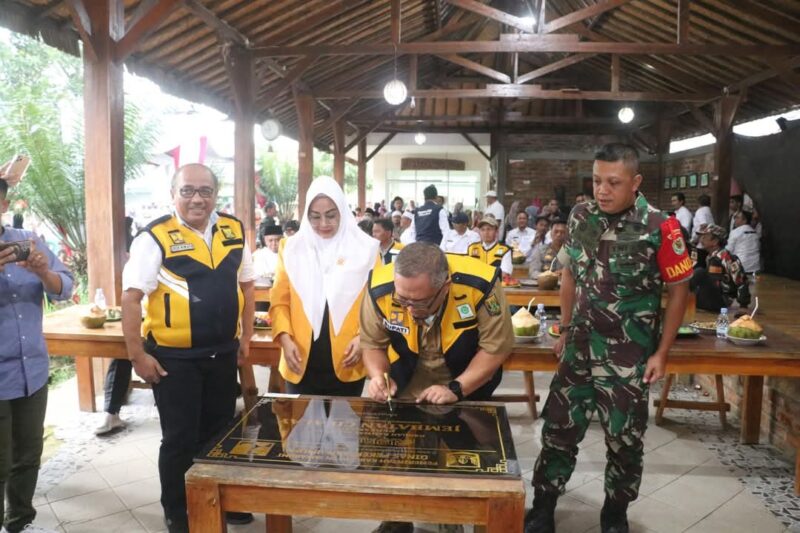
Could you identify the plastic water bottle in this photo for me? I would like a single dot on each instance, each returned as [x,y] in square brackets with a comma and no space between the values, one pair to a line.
[722,323]
[541,316]
[100,299]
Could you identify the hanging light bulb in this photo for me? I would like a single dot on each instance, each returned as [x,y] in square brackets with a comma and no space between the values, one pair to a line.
[413,103]
[395,91]
[420,138]
[625,115]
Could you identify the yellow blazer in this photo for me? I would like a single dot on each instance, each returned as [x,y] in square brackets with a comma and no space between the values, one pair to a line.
[288,316]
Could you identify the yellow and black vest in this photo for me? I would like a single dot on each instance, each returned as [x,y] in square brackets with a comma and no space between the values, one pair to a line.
[391,253]
[493,256]
[195,310]
[472,282]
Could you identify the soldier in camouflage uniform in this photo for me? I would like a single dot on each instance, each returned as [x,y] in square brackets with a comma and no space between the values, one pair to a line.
[619,252]
[723,279]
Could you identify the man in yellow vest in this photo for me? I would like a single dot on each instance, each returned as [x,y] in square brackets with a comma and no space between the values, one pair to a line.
[439,326]
[489,250]
[197,273]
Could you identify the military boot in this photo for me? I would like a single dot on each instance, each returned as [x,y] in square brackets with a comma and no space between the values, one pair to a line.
[541,518]
[614,517]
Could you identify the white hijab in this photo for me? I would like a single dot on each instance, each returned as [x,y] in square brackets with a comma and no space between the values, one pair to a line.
[332,271]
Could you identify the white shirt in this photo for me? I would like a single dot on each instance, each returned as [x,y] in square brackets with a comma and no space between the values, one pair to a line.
[141,270]
[506,266]
[684,216]
[444,226]
[499,212]
[409,235]
[702,216]
[454,243]
[522,238]
[264,263]
[744,244]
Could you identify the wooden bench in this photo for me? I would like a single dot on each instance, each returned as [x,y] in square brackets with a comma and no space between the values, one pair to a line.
[719,405]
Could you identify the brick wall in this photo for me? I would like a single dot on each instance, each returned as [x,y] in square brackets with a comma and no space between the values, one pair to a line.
[683,166]
[541,178]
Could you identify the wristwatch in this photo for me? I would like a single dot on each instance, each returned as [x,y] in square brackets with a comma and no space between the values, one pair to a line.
[455,388]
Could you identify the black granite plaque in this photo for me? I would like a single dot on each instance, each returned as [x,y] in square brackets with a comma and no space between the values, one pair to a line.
[357,434]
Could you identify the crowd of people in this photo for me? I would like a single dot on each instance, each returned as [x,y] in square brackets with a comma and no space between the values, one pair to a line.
[402,301]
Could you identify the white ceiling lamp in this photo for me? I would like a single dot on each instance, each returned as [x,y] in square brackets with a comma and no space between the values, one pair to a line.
[395,91]
[625,115]
[420,138]
[530,22]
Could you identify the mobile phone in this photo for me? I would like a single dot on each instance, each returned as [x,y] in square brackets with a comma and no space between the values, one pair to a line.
[16,169]
[22,249]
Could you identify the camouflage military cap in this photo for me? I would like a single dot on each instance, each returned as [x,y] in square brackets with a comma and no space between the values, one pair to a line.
[716,231]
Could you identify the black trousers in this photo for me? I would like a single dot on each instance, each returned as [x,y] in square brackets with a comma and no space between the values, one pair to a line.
[195,401]
[709,294]
[118,378]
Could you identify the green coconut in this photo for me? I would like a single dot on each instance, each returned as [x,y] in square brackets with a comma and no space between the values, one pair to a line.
[745,328]
[525,324]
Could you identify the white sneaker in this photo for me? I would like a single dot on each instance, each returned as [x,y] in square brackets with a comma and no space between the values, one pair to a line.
[30,528]
[112,422]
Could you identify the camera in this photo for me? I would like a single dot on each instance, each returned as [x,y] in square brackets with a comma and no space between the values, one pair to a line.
[22,249]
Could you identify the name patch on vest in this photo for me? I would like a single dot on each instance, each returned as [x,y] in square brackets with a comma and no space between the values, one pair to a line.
[183,247]
[424,212]
[397,328]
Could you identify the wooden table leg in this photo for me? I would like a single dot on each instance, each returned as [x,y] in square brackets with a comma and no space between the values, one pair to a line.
[721,399]
[751,409]
[505,516]
[84,372]
[249,389]
[530,391]
[204,507]
[278,524]
[276,383]
[664,397]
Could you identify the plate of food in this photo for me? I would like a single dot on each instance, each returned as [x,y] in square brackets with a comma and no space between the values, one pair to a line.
[707,328]
[744,331]
[688,331]
[509,282]
[262,321]
[554,330]
[113,314]
[529,283]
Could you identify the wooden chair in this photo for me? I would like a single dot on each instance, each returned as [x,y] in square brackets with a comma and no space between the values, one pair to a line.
[719,405]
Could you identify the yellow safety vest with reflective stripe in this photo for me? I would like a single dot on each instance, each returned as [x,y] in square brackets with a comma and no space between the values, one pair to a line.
[195,309]
[493,256]
[472,282]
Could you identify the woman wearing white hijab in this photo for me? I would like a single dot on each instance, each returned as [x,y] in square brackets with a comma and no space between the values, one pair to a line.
[314,303]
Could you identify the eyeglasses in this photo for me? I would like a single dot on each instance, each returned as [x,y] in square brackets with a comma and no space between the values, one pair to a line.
[189,192]
[419,305]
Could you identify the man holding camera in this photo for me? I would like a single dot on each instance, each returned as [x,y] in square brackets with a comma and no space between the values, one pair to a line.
[28,270]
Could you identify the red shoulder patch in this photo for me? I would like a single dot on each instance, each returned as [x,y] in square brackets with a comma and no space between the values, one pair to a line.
[673,259]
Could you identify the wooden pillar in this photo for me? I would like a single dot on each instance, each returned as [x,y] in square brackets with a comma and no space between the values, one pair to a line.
[338,152]
[724,112]
[499,165]
[239,65]
[304,103]
[362,173]
[104,163]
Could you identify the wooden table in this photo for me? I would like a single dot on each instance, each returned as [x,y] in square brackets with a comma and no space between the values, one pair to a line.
[551,298]
[698,355]
[211,489]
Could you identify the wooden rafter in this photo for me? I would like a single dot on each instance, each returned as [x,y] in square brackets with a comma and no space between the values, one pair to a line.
[553,67]
[704,120]
[146,19]
[396,21]
[475,145]
[683,22]
[82,22]
[786,71]
[532,44]
[476,67]
[291,76]
[616,73]
[582,14]
[225,30]
[378,148]
[336,113]
[492,13]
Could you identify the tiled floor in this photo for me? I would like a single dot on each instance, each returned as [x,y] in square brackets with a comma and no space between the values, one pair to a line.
[696,477]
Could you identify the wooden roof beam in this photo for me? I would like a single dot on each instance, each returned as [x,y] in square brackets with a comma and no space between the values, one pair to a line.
[225,30]
[336,113]
[616,73]
[494,14]
[786,71]
[383,143]
[528,91]
[475,145]
[531,44]
[291,76]
[553,67]
[83,23]
[582,14]
[755,10]
[683,22]
[149,15]
[396,17]
[476,67]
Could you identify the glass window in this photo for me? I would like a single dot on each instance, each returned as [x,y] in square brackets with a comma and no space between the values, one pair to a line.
[455,185]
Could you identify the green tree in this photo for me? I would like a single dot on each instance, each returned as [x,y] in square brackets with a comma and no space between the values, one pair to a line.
[38,87]
[278,182]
